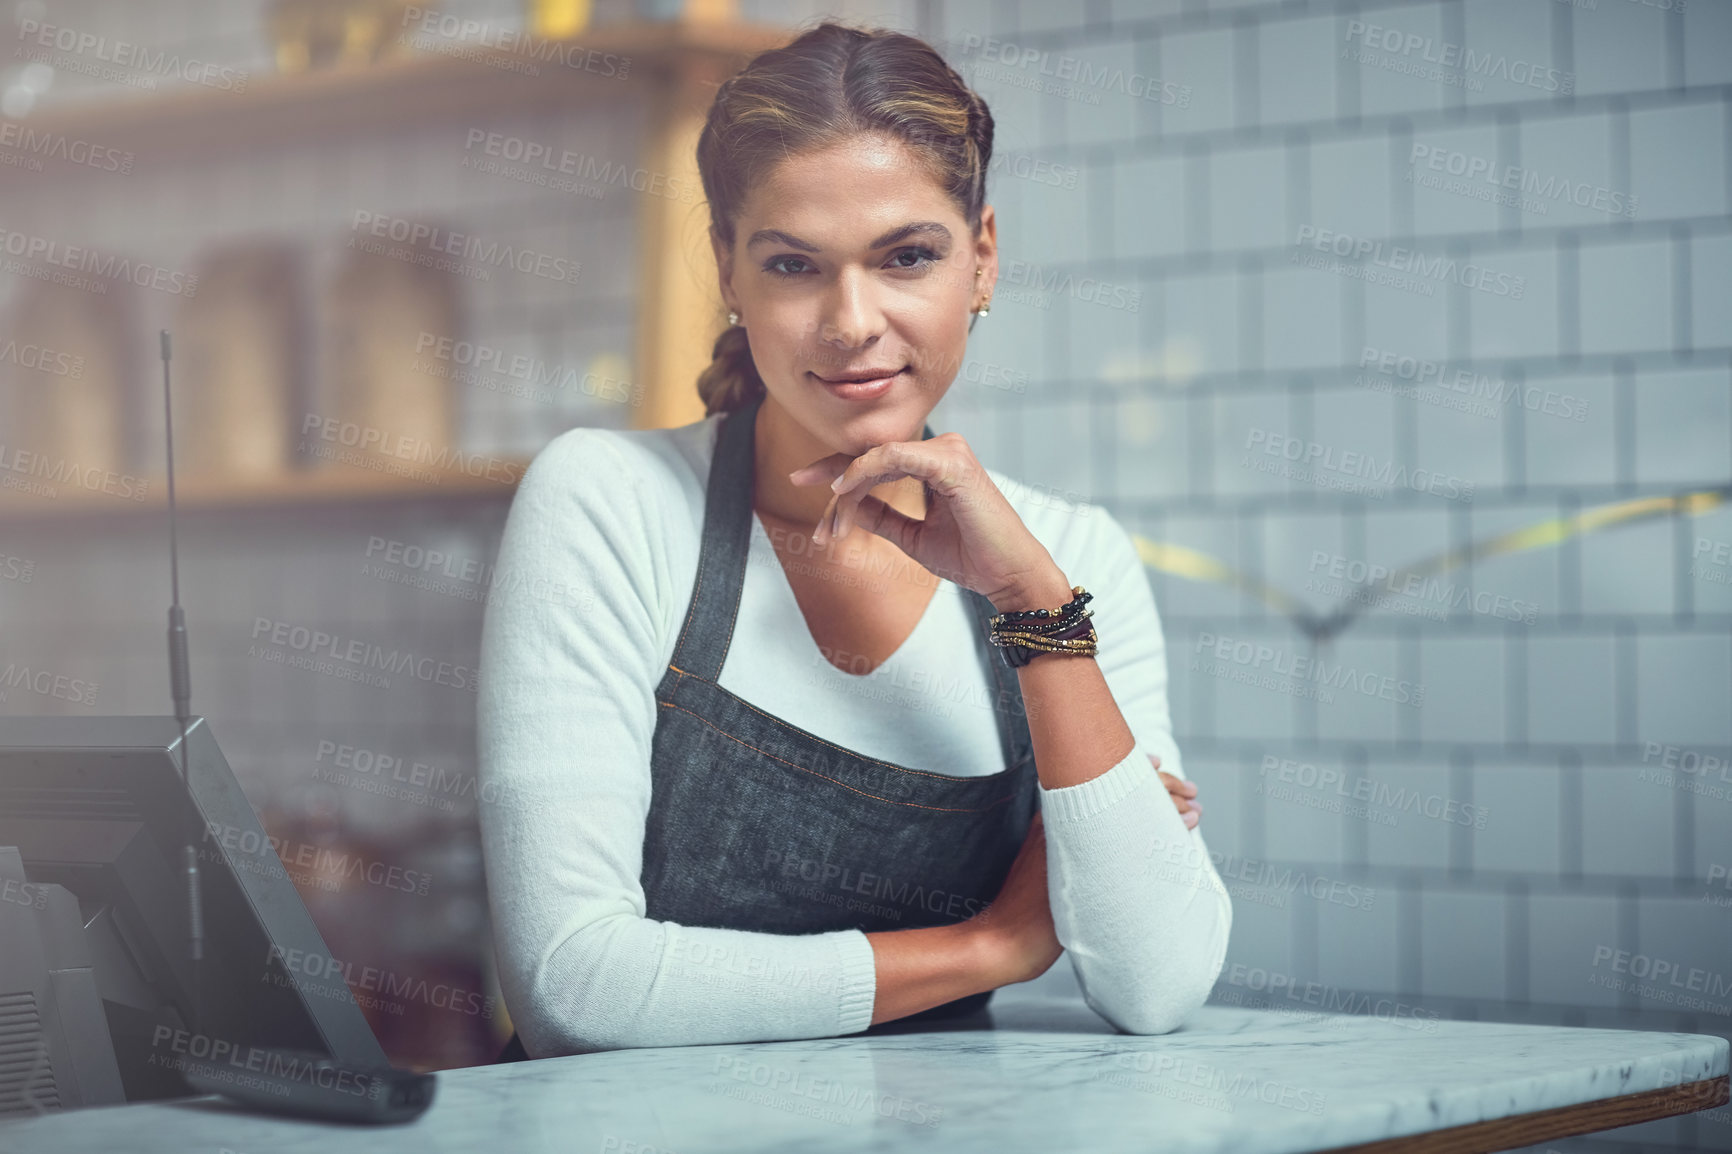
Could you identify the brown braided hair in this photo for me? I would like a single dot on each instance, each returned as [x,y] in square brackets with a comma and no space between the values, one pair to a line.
[833,81]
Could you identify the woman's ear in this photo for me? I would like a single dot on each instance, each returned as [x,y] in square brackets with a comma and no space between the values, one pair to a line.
[724,271]
[986,247]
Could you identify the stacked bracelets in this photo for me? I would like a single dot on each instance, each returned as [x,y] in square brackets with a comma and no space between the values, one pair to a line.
[1025,633]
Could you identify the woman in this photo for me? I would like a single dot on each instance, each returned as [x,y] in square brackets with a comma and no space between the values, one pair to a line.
[723,818]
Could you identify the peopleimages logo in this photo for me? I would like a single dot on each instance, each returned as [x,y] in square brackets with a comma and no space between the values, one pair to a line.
[1232,1086]
[75,258]
[1030,283]
[23,893]
[1363,582]
[1378,794]
[542,164]
[1646,975]
[1410,262]
[540,374]
[823,873]
[1368,476]
[1473,386]
[1073,76]
[1453,63]
[46,360]
[73,690]
[1180,860]
[395,776]
[798,1090]
[421,240]
[32,472]
[35,36]
[353,658]
[432,25]
[1475,170]
[371,986]
[1332,1001]
[314,866]
[1301,668]
[365,439]
[712,961]
[235,1064]
[37,143]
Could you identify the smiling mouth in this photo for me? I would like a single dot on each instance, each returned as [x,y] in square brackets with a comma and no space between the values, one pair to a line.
[861,378]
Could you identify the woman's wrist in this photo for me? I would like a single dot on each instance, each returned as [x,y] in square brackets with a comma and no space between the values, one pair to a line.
[918,969]
[1045,588]
[991,951]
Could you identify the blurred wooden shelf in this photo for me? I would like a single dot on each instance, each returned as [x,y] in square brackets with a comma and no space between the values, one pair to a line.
[418,89]
[675,69]
[312,488]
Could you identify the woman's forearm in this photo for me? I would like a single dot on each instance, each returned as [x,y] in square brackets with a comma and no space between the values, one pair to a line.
[1078,733]
[1135,897]
[919,969]
[1076,727]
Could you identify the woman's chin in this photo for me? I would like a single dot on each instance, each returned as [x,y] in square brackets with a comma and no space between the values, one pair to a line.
[862,431]
[850,423]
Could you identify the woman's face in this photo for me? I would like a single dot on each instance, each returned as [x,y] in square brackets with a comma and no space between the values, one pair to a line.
[852,261]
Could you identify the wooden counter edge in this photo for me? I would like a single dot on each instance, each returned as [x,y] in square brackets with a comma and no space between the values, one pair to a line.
[1561,1122]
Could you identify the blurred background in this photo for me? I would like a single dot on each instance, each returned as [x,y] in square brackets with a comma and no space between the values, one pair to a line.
[1400,335]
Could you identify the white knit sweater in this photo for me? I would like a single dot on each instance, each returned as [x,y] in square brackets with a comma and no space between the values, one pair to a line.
[595,571]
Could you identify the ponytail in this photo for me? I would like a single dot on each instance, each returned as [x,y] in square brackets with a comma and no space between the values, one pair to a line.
[731,381]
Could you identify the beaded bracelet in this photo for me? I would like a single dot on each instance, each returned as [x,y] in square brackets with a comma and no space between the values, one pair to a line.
[1023,634]
[1080,598]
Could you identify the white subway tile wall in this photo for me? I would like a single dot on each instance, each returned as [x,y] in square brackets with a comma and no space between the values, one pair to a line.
[1406,277]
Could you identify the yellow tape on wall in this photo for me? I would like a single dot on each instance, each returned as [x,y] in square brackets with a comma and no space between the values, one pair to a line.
[1194,565]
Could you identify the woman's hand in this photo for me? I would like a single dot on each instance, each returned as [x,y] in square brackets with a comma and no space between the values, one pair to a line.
[1016,930]
[970,536]
[1183,794]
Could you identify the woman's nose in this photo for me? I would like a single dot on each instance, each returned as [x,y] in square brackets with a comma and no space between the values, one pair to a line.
[852,316]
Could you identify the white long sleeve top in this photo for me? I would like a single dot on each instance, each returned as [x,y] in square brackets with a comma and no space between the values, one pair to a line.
[595,570]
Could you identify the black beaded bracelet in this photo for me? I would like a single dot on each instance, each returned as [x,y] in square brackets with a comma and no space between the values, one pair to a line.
[1082,597]
[1017,652]
[1023,634]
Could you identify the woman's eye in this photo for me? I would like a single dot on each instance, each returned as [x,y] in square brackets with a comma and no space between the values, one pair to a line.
[922,255]
[905,259]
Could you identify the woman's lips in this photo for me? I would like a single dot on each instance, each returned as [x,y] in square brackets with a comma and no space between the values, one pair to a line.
[861,390]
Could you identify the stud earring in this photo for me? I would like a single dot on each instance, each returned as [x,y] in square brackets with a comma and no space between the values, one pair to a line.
[733,319]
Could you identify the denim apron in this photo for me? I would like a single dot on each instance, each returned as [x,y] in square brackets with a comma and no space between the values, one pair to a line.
[756,824]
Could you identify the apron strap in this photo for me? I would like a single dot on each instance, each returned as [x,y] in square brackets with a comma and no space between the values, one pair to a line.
[709,626]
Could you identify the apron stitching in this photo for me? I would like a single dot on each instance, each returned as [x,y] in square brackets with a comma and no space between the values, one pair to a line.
[729,634]
[814,737]
[833,781]
[703,548]
[732,620]
[692,614]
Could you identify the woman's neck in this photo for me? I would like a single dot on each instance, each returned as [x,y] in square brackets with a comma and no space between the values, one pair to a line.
[782,445]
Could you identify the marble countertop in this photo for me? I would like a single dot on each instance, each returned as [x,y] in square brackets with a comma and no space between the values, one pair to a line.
[1045,1074]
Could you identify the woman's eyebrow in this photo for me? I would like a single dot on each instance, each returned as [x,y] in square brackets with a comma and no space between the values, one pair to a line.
[901,232]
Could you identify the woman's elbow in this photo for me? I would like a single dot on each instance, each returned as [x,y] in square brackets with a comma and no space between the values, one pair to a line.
[1162,1013]
[572,1001]
[1173,989]
[580,1025]
[1163,1005]
[556,1036]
